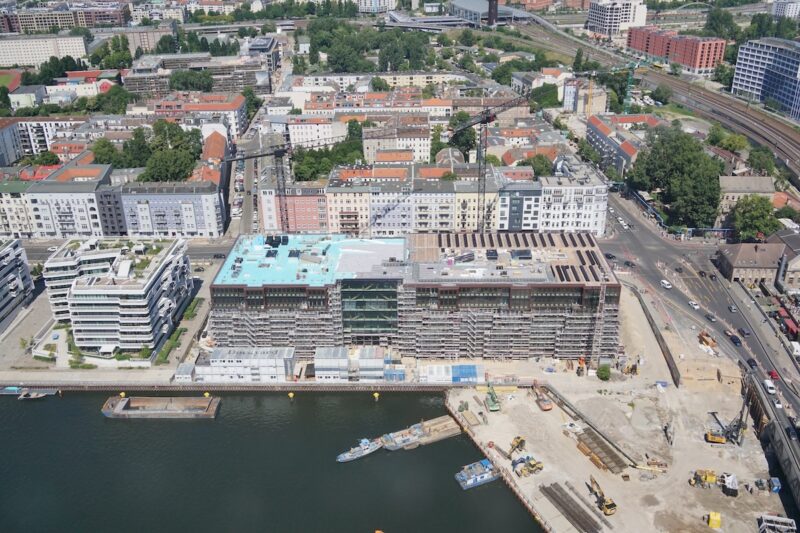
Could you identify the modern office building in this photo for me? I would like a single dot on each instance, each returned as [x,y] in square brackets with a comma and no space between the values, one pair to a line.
[768,70]
[477,12]
[136,303]
[697,55]
[494,295]
[16,284]
[267,49]
[157,12]
[245,365]
[33,50]
[612,17]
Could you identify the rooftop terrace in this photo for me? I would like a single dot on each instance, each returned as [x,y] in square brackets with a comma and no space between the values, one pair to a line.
[308,260]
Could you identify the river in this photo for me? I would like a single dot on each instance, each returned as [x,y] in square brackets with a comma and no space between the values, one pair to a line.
[265,464]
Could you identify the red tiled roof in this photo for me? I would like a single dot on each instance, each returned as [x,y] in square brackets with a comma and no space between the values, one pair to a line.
[600,125]
[628,148]
[214,146]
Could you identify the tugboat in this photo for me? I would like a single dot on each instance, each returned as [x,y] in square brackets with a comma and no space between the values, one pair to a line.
[365,447]
[476,474]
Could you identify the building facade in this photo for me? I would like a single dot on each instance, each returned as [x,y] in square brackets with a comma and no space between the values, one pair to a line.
[584,97]
[376,6]
[612,17]
[697,55]
[245,365]
[768,70]
[782,8]
[33,50]
[495,295]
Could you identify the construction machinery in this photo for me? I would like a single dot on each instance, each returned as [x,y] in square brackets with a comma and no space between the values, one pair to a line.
[703,478]
[525,466]
[604,503]
[733,432]
[492,403]
[517,444]
[706,339]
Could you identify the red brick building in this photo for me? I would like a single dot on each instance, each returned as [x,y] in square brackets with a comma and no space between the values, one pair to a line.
[697,55]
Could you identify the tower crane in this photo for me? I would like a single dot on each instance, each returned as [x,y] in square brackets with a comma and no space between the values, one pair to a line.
[481,119]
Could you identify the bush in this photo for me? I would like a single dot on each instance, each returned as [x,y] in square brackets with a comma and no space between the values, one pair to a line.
[172,343]
[44,358]
[604,372]
[191,309]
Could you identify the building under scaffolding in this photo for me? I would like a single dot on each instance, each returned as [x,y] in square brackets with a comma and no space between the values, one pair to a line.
[498,295]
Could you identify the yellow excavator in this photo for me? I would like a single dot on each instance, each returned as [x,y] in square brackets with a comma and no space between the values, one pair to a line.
[606,505]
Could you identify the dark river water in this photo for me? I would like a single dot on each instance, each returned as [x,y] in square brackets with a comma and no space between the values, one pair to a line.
[264,465]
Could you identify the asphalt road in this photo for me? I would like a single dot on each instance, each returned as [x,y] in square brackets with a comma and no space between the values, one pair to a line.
[657,258]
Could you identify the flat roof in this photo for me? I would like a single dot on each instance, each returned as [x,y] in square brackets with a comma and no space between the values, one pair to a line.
[305,260]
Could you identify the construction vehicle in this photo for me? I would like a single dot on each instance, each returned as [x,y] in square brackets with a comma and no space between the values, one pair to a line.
[525,466]
[544,403]
[604,503]
[706,338]
[517,444]
[732,432]
[492,403]
[703,478]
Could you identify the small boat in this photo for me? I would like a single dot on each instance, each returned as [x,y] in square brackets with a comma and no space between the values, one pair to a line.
[406,439]
[477,474]
[365,447]
[28,395]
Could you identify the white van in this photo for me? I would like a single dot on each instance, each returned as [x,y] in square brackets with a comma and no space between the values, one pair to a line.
[769,386]
[666,284]
[795,348]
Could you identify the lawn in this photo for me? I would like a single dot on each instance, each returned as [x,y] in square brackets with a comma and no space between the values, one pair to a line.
[5,79]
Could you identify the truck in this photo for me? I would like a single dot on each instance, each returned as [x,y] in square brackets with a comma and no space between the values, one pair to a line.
[796,349]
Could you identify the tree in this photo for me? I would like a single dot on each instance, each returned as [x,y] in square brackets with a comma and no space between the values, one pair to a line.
[379,84]
[675,69]
[191,80]
[295,111]
[268,27]
[168,165]
[716,135]
[587,152]
[720,23]
[444,40]
[577,64]
[788,212]
[723,74]
[688,178]
[762,160]
[662,94]
[491,159]
[136,150]
[464,140]
[541,165]
[252,102]
[354,131]
[449,176]
[753,217]
[139,52]
[46,158]
[166,45]
[5,100]
[467,38]
[82,32]
[106,154]
[436,142]
[604,372]
[734,142]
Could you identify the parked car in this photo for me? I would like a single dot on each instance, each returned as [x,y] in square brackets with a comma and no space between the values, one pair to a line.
[219,256]
[702,273]
[769,386]
[199,269]
[736,340]
[733,309]
[777,403]
[713,277]
[666,284]
[710,317]
[744,332]
[610,256]
[694,305]
[52,249]
[679,270]
[791,433]
[773,374]
[752,363]
[630,264]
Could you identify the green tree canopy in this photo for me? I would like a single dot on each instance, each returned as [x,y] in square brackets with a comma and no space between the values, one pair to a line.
[467,38]
[379,84]
[541,165]
[252,102]
[168,165]
[762,160]
[753,218]
[676,164]
[464,140]
[662,94]
[191,80]
[734,142]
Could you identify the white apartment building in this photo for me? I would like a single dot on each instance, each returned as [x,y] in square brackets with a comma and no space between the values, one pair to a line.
[75,258]
[574,200]
[245,365]
[213,6]
[65,203]
[391,208]
[157,12]
[434,206]
[15,210]
[136,303]
[315,132]
[37,134]
[16,284]
[189,209]
[33,50]
[376,6]
[611,17]
[416,138]
[788,9]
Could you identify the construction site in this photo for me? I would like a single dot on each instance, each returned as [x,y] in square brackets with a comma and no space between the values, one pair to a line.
[634,453]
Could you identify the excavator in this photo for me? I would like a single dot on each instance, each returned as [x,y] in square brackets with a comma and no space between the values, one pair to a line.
[517,444]
[525,466]
[605,504]
[491,400]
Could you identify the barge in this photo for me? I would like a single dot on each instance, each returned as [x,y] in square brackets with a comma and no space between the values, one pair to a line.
[167,407]
[477,474]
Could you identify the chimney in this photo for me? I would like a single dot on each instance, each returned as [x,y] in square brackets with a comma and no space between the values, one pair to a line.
[492,16]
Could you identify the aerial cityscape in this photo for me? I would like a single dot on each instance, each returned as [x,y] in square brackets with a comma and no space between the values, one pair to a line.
[465,265]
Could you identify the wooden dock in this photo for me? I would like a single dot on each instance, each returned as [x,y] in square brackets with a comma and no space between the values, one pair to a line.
[165,407]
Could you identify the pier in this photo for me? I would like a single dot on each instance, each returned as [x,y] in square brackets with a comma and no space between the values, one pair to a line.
[160,407]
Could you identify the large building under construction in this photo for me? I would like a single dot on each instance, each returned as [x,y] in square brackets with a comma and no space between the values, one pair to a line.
[494,295]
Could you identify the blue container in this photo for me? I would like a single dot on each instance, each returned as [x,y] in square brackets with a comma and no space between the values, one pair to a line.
[774,484]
